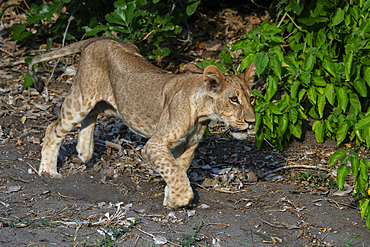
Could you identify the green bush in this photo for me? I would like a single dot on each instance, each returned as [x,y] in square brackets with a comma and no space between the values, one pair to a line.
[359,169]
[315,61]
[51,19]
[145,23]
[140,21]
[317,54]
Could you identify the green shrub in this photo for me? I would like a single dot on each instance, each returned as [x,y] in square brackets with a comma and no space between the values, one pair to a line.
[140,21]
[315,61]
[145,23]
[317,54]
[359,169]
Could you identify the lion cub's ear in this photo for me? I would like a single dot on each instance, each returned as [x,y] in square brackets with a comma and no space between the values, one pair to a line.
[214,79]
[248,75]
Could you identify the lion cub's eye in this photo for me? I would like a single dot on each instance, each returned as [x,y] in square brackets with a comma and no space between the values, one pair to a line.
[234,99]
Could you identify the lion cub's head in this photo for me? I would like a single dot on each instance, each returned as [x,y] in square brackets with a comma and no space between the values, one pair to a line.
[232,100]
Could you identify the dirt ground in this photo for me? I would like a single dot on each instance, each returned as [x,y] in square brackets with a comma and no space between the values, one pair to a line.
[243,196]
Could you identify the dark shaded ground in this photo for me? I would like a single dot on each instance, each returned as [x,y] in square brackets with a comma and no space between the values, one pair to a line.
[240,199]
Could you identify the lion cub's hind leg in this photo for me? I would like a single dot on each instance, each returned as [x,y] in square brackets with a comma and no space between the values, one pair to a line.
[73,111]
[85,143]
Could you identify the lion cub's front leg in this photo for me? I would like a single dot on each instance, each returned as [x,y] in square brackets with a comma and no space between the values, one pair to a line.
[178,192]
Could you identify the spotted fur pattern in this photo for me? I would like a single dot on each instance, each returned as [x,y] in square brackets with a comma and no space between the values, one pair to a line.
[172,110]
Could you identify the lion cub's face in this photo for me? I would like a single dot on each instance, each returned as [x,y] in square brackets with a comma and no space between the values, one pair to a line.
[232,99]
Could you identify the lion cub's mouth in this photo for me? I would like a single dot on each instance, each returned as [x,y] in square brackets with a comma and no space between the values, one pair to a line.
[242,134]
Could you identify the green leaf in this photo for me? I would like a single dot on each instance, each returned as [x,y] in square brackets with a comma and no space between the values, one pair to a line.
[364,167]
[117,17]
[27,59]
[27,80]
[260,60]
[272,83]
[293,115]
[246,62]
[296,129]
[320,38]
[329,93]
[338,155]
[279,53]
[355,163]
[329,66]
[268,119]
[311,21]
[283,123]
[312,95]
[274,109]
[297,9]
[162,52]
[190,9]
[363,123]
[342,132]
[342,172]
[319,129]
[355,12]
[364,28]
[321,102]
[360,86]
[276,66]
[367,75]
[301,94]
[354,103]
[348,65]
[338,17]
[319,81]
[366,6]
[258,121]
[226,57]
[305,77]
[94,31]
[259,139]
[364,204]
[310,62]
[342,98]
[49,42]
[19,32]
[257,93]
[347,20]
[294,88]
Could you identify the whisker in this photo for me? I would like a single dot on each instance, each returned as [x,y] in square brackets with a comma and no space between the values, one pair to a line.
[226,132]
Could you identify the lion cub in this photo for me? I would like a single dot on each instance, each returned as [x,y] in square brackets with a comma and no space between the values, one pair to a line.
[172,110]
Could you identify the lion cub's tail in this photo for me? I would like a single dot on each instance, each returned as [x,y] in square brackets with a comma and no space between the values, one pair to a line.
[64,51]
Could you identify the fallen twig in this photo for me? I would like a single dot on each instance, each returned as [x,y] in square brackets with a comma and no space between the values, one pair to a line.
[332,201]
[113,145]
[293,166]
[66,196]
[34,169]
[154,237]
[281,225]
[230,192]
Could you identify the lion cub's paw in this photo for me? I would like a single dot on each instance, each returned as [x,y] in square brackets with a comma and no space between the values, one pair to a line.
[49,172]
[178,198]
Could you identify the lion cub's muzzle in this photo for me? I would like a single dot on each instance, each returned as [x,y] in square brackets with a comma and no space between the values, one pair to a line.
[242,134]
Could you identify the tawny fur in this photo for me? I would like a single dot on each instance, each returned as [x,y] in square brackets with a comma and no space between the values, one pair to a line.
[172,110]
